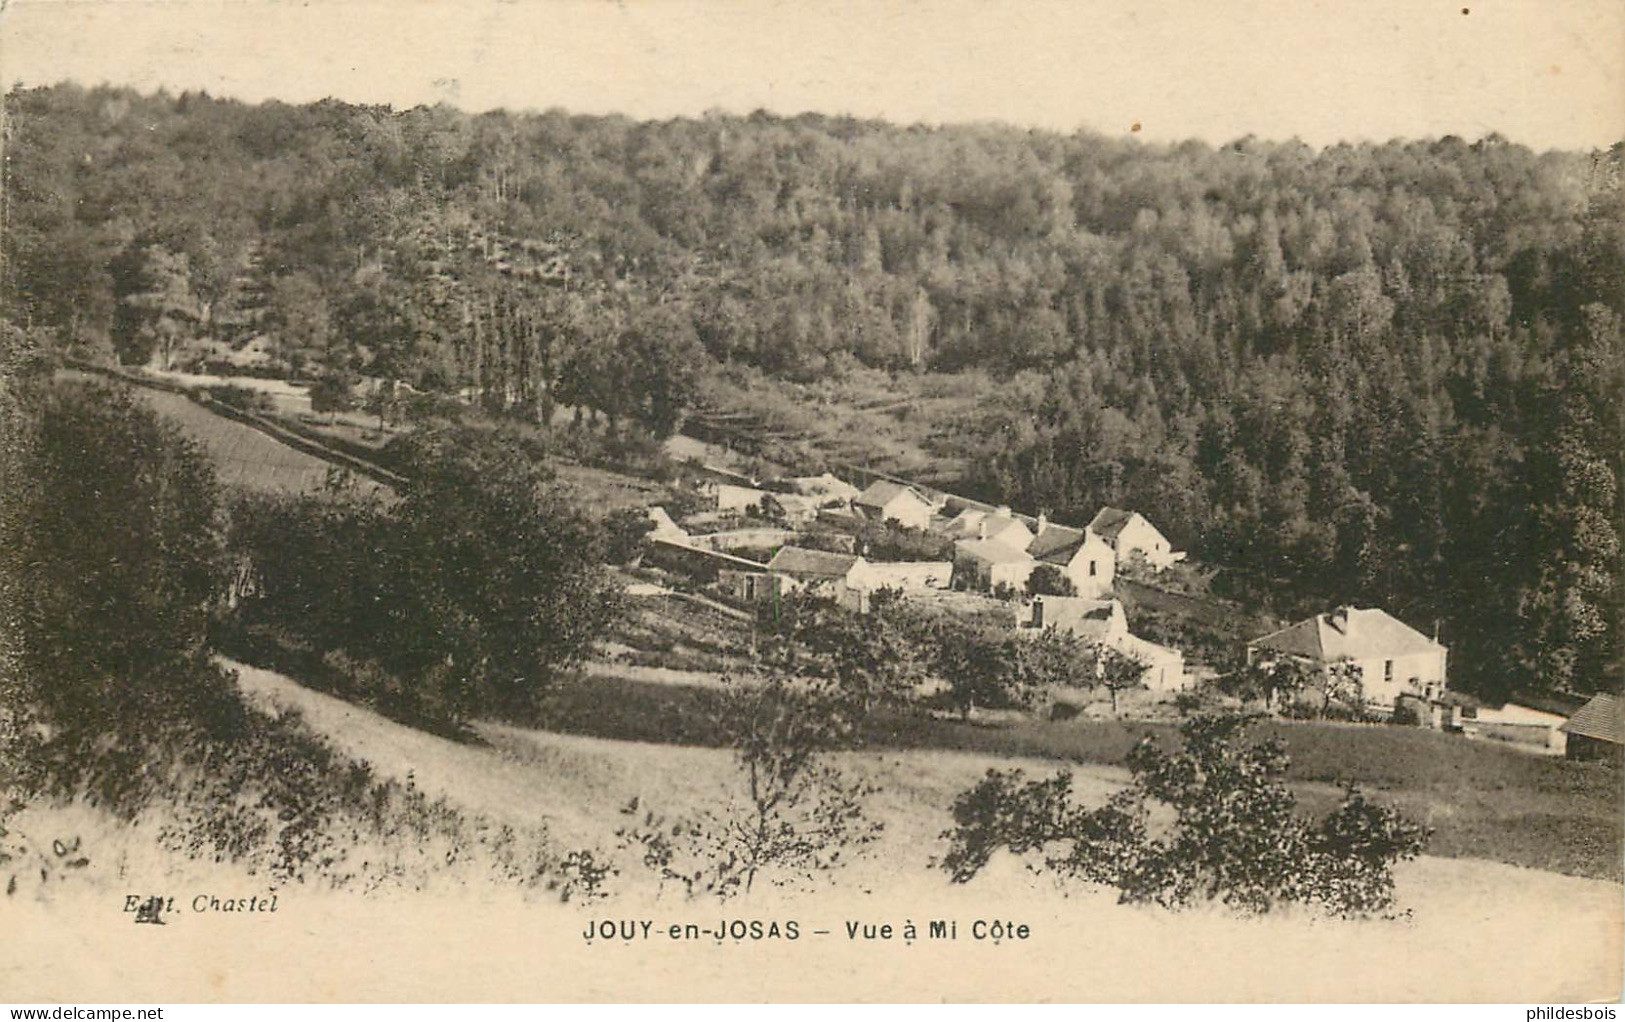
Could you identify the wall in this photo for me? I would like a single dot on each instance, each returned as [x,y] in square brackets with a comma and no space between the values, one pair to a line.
[905,575]
[1424,667]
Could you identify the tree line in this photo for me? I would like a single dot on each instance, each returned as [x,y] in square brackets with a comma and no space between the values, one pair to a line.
[1374,373]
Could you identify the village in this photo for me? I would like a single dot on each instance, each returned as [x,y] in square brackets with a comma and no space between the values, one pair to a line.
[752,542]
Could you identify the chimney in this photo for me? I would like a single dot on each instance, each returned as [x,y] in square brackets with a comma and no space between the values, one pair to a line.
[1002,512]
[1043,523]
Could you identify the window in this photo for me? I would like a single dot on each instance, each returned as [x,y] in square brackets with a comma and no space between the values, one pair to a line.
[1388,671]
[1091,569]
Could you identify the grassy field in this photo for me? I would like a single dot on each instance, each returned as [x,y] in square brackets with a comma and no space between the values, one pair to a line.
[1482,800]
[242,456]
[1476,930]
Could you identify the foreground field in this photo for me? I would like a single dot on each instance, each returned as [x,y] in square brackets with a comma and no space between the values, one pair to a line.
[1477,931]
[1482,800]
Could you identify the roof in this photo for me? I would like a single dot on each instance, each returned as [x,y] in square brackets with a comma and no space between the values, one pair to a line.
[1057,542]
[1348,633]
[1083,617]
[825,485]
[1603,718]
[1109,521]
[1006,528]
[884,491]
[990,551]
[1563,704]
[795,560]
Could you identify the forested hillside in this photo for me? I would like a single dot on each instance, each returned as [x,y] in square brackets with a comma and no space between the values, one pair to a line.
[1390,373]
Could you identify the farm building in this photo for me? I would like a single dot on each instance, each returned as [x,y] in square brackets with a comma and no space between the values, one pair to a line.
[699,563]
[998,524]
[1535,721]
[802,567]
[825,488]
[1102,622]
[730,497]
[906,576]
[987,564]
[1597,729]
[1130,535]
[745,586]
[1086,559]
[1390,657]
[887,501]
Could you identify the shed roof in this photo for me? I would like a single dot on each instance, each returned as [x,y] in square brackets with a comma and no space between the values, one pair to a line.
[883,491]
[795,560]
[1602,718]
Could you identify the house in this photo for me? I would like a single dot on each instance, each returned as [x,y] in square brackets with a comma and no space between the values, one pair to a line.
[988,564]
[1388,657]
[1089,619]
[998,524]
[731,497]
[886,501]
[803,568]
[1129,534]
[1081,554]
[826,488]
[1102,622]
[1597,729]
[748,587]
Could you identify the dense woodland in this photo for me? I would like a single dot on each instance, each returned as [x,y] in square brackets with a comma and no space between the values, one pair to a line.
[1389,373]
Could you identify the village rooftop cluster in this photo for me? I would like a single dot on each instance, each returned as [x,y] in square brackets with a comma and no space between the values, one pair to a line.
[755,542]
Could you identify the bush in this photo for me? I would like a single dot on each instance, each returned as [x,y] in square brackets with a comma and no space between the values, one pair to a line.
[795,819]
[1232,838]
[473,589]
[110,557]
[1050,580]
[244,399]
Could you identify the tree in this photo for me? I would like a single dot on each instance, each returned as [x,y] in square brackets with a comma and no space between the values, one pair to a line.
[795,815]
[332,393]
[977,664]
[298,321]
[1210,822]
[110,555]
[1116,670]
[469,592]
[874,658]
[1050,580]
[156,309]
[500,573]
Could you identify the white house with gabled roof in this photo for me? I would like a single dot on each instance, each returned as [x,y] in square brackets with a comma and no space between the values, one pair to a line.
[1389,657]
[886,501]
[1130,535]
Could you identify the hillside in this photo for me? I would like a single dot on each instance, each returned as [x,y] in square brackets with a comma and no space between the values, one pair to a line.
[1385,374]
[1476,930]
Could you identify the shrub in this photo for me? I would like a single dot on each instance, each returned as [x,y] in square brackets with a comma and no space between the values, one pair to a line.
[1050,580]
[482,581]
[239,397]
[1233,836]
[110,555]
[795,817]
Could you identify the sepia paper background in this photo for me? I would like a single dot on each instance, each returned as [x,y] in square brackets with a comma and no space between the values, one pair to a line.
[1541,72]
